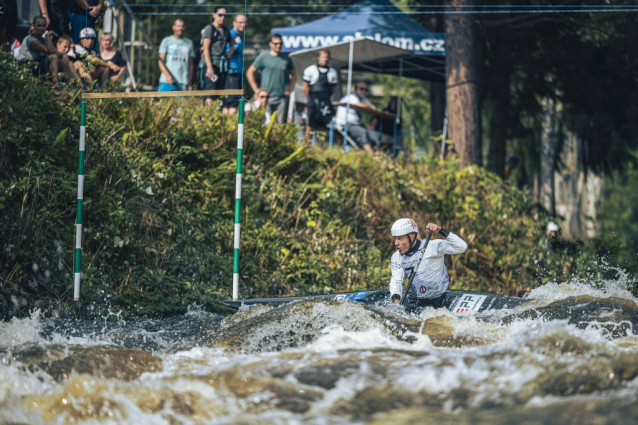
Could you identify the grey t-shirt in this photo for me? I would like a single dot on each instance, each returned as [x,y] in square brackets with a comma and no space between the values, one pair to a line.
[25,51]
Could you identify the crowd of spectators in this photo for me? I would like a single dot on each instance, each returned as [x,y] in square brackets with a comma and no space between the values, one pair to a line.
[62,43]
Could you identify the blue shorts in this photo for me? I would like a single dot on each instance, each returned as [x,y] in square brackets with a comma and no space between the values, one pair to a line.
[171,87]
[79,22]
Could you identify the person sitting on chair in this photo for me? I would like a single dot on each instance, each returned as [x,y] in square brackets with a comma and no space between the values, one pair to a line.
[363,136]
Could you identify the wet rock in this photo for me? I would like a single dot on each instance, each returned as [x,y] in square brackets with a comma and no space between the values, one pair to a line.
[106,361]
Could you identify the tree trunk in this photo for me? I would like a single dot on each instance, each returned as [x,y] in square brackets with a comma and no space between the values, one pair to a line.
[462,67]
[437,102]
[549,140]
[499,98]
[436,23]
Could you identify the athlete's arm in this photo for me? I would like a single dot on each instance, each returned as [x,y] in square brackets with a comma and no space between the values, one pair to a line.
[396,279]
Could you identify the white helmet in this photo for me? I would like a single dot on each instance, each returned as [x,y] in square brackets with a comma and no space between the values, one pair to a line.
[88,32]
[552,227]
[404,226]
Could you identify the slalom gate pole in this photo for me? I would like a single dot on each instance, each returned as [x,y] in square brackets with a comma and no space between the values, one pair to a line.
[238,177]
[78,226]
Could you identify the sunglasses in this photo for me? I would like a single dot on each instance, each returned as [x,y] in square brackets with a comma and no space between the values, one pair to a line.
[263,97]
[221,15]
[362,89]
[276,44]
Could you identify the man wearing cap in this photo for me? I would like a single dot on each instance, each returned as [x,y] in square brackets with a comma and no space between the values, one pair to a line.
[431,280]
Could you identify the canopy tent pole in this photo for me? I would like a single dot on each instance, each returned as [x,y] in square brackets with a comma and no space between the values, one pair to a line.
[444,135]
[397,120]
[346,147]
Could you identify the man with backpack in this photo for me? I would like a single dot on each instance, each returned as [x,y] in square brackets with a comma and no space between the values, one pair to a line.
[319,83]
[216,57]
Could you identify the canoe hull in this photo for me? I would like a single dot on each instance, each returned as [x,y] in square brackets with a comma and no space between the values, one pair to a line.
[458,302]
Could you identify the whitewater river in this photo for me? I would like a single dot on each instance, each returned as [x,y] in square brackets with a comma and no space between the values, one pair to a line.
[568,356]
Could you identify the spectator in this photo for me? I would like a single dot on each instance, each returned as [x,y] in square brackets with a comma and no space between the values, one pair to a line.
[551,236]
[319,83]
[87,62]
[512,163]
[36,47]
[177,53]
[8,23]
[363,136]
[236,67]
[60,60]
[109,55]
[216,57]
[80,19]
[386,126]
[276,70]
[261,101]
[56,13]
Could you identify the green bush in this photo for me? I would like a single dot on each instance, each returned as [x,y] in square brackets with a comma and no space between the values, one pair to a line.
[159,198]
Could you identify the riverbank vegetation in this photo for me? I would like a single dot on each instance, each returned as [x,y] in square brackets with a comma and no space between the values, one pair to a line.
[158,210]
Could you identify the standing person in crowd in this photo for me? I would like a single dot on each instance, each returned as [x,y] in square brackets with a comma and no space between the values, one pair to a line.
[87,62]
[78,14]
[56,13]
[112,56]
[363,136]
[177,53]
[277,70]
[214,40]
[319,83]
[236,67]
[8,23]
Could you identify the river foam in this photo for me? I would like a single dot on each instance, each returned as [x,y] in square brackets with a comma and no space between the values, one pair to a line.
[571,349]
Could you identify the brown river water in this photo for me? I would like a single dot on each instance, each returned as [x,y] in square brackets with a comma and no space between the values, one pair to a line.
[568,356]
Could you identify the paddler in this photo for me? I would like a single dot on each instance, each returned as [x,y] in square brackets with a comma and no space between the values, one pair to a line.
[431,281]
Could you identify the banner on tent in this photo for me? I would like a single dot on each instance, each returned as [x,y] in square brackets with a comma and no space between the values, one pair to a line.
[431,46]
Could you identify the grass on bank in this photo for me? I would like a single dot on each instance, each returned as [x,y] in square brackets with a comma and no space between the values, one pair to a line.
[159,199]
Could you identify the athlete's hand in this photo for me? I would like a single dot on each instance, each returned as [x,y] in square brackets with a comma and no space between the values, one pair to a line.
[433,228]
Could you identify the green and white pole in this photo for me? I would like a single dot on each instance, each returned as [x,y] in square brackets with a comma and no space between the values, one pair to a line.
[238,177]
[78,227]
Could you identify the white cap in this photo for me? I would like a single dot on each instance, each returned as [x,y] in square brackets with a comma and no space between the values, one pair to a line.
[88,32]
[552,227]
[404,226]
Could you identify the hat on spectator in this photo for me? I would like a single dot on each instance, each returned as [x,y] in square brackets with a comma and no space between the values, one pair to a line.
[552,227]
[88,33]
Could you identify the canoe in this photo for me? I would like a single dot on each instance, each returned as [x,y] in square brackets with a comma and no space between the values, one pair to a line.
[458,302]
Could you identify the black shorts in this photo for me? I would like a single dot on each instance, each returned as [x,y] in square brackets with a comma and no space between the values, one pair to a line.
[9,17]
[233,82]
[320,112]
[220,84]
[60,21]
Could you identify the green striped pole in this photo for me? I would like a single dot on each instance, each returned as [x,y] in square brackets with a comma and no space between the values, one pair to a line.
[78,227]
[240,150]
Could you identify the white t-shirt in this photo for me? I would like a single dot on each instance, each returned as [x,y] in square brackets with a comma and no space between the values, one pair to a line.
[354,117]
[431,279]
[311,74]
